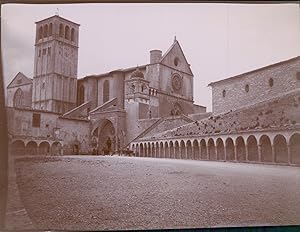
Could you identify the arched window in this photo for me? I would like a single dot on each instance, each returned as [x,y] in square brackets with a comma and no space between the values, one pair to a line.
[105,91]
[41,33]
[50,29]
[271,82]
[67,32]
[81,95]
[45,30]
[61,30]
[72,34]
[18,98]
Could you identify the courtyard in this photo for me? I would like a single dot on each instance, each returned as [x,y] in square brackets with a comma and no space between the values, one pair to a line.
[113,192]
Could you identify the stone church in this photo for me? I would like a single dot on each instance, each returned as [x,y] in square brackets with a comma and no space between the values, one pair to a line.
[55,112]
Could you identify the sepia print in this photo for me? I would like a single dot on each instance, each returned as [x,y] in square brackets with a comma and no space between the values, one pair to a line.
[142,143]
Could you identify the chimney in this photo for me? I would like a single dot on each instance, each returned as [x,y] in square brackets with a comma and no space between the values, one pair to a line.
[155,56]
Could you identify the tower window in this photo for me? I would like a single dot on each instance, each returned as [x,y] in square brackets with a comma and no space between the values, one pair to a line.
[72,34]
[46,30]
[61,30]
[44,51]
[41,33]
[49,51]
[224,93]
[80,98]
[247,88]
[176,61]
[50,29]
[271,82]
[40,53]
[36,120]
[67,32]
[105,91]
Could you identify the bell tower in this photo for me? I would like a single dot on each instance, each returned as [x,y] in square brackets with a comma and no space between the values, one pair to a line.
[55,65]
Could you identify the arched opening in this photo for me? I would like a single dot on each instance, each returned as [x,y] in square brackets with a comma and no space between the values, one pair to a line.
[176,155]
[142,150]
[56,148]
[203,150]
[189,150]
[18,148]
[161,150]
[50,29]
[106,138]
[149,150]
[145,150]
[220,149]
[152,150]
[240,149]
[41,32]
[31,148]
[61,30]
[80,96]
[196,150]
[18,98]
[67,32]
[171,150]
[252,148]
[295,148]
[156,150]
[44,148]
[45,31]
[105,91]
[280,149]
[229,149]
[182,154]
[266,149]
[72,34]
[211,149]
[166,151]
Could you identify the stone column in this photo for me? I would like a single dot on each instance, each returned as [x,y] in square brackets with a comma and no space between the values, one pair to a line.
[186,152]
[289,154]
[246,149]
[273,153]
[235,153]
[225,153]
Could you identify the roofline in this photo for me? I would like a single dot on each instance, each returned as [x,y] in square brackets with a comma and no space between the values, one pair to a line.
[115,70]
[56,16]
[255,70]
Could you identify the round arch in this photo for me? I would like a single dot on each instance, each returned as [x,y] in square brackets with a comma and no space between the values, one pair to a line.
[31,148]
[189,150]
[182,154]
[229,149]
[44,148]
[196,150]
[240,149]
[266,148]
[18,148]
[252,148]
[211,149]
[56,148]
[220,149]
[280,149]
[203,150]
[141,150]
[171,150]
[295,148]
[166,150]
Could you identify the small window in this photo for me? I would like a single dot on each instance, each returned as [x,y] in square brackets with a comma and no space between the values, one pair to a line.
[36,120]
[224,93]
[49,51]
[247,88]
[298,76]
[40,52]
[271,82]
[176,61]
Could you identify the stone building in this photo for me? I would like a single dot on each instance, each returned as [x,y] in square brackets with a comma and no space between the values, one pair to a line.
[56,113]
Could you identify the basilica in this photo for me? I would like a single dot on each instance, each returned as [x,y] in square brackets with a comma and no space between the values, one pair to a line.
[149,109]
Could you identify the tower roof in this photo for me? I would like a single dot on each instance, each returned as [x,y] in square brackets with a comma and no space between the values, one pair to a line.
[58,17]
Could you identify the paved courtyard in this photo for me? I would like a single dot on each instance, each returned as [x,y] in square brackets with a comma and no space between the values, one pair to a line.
[85,192]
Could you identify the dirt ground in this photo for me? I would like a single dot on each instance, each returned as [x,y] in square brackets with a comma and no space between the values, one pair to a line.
[108,193]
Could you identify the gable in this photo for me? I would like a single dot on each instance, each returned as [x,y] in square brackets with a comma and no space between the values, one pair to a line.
[175,58]
[19,79]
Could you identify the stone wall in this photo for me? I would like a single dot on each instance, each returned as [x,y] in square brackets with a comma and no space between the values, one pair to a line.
[264,84]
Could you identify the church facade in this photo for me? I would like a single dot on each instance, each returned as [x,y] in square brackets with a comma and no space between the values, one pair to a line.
[55,112]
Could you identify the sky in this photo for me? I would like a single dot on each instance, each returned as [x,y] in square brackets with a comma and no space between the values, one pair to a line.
[219,40]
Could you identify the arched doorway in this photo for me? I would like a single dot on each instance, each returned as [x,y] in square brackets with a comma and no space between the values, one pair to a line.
[31,148]
[177,155]
[266,149]
[56,148]
[252,148]
[280,149]
[211,149]
[203,150]
[166,150]
[295,148]
[44,148]
[220,149]
[189,150]
[229,149]
[240,149]
[106,138]
[196,150]
[171,150]
[18,148]
[142,150]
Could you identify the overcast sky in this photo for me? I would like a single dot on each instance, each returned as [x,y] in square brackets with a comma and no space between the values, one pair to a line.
[219,40]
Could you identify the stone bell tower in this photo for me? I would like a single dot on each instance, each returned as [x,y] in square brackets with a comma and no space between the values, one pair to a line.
[55,65]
